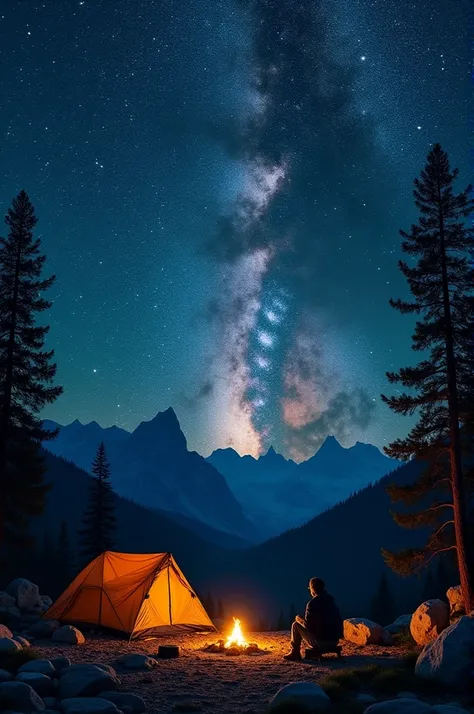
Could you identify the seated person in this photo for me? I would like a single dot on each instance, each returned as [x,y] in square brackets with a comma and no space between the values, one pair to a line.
[322,626]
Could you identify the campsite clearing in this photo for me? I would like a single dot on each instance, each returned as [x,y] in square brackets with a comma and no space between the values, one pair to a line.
[202,682]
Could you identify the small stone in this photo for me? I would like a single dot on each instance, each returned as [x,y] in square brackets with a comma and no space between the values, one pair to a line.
[127,699]
[361,631]
[5,676]
[20,697]
[88,705]
[22,641]
[9,645]
[69,635]
[137,661]
[43,666]
[60,663]
[51,703]
[87,680]
[43,629]
[309,694]
[400,706]
[41,683]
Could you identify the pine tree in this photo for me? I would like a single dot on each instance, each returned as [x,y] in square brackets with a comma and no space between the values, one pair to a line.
[26,373]
[383,608]
[441,386]
[98,524]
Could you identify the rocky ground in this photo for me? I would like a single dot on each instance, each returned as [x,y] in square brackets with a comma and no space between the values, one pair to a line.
[211,683]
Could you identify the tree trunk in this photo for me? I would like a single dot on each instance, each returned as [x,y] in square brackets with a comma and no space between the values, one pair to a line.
[7,398]
[455,453]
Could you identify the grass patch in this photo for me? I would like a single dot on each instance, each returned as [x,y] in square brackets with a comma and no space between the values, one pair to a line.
[335,691]
[12,661]
[404,639]
[346,679]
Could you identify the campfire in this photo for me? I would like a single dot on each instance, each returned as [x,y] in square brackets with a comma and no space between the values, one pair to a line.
[235,645]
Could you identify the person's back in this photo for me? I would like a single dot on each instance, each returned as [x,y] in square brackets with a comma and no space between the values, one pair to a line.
[323,619]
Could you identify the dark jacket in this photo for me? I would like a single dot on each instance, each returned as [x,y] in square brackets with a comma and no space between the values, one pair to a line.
[323,619]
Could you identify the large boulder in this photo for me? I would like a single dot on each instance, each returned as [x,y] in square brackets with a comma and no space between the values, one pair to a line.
[400,706]
[6,600]
[25,644]
[87,680]
[361,631]
[9,645]
[126,699]
[26,593]
[456,603]
[401,624]
[88,705]
[69,635]
[19,697]
[449,660]
[428,621]
[41,683]
[43,666]
[309,694]
[44,629]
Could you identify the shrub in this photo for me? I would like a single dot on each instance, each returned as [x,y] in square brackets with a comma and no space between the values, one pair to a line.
[12,661]
[393,680]
[346,679]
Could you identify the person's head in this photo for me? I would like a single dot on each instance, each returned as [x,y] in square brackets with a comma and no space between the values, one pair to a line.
[316,586]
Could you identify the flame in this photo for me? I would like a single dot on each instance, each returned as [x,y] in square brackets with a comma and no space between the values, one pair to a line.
[236,637]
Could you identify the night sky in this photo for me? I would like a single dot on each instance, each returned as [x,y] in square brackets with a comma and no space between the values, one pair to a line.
[219,187]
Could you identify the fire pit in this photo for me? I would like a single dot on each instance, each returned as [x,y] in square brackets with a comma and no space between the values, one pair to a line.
[235,645]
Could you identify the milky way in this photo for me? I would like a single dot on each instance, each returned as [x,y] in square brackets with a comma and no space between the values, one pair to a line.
[219,190]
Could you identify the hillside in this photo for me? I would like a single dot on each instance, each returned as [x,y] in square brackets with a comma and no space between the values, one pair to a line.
[139,529]
[341,545]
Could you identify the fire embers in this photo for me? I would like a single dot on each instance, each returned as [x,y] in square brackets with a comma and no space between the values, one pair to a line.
[220,647]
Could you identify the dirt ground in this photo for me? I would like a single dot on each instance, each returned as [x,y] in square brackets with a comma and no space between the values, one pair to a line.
[211,682]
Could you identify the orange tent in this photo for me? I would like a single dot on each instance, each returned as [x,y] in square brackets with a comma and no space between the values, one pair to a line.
[142,595]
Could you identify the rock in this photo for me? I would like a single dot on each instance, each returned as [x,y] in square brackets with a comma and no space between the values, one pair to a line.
[6,600]
[453,708]
[60,664]
[5,676]
[400,706]
[43,666]
[306,693]
[9,645]
[10,616]
[46,600]
[51,703]
[26,593]
[137,661]
[69,635]
[449,660]
[41,683]
[44,629]
[401,624]
[365,632]
[20,697]
[456,603]
[428,621]
[88,705]
[127,699]
[407,695]
[366,699]
[87,680]
[5,633]
[22,641]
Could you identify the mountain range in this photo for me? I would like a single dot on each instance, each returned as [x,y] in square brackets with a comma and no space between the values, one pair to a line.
[250,499]
[280,494]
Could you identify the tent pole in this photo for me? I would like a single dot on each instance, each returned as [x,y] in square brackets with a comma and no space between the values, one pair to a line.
[169,589]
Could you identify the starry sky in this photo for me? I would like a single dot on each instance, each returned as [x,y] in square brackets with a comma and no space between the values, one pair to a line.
[219,187]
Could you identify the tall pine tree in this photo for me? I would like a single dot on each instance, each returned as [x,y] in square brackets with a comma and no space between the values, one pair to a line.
[26,373]
[383,608]
[98,524]
[65,557]
[441,385]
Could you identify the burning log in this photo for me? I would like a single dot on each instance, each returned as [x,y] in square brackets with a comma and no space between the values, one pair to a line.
[235,645]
